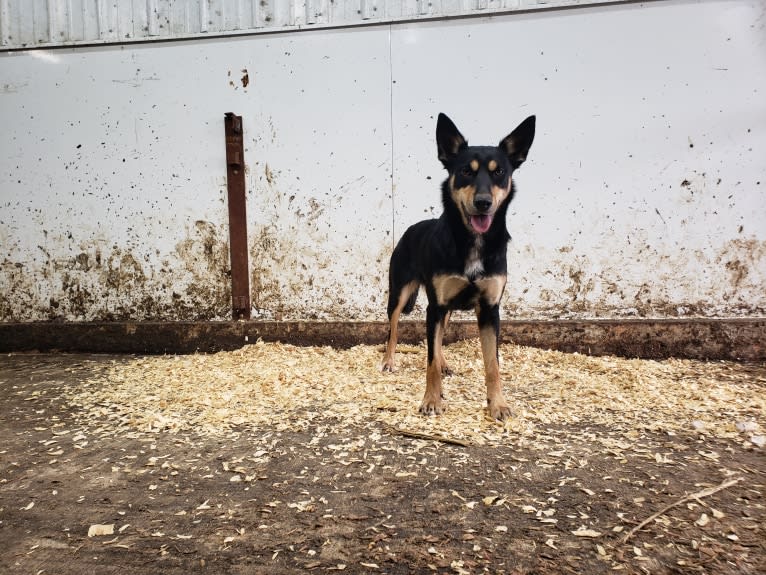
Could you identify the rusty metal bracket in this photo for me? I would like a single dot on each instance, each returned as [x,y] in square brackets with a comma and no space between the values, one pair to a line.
[235,180]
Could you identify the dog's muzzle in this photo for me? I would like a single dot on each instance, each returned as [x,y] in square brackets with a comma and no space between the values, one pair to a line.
[482,220]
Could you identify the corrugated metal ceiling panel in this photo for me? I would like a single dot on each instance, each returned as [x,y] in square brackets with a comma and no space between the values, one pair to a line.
[50,23]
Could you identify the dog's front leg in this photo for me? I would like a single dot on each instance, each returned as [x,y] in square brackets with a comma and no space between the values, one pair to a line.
[489,332]
[432,400]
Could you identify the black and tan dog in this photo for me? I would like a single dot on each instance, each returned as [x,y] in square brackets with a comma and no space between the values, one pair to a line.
[460,258]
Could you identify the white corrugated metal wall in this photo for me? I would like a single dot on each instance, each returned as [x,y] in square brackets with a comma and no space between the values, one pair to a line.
[642,196]
[47,23]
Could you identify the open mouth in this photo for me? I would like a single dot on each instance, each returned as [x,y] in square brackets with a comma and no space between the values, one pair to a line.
[481,223]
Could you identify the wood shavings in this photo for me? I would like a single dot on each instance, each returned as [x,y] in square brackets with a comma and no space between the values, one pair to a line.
[284,387]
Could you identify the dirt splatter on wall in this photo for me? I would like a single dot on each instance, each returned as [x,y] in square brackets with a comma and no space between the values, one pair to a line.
[720,283]
[105,283]
[642,196]
[307,260]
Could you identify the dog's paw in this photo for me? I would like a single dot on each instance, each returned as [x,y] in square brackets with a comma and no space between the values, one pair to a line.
[498,409]
[388,366]
[432,406]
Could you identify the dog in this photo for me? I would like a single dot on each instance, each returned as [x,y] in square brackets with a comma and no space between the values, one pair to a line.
[460,258]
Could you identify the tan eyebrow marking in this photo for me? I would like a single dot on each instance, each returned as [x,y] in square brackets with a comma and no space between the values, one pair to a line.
[492,166]
[475,165]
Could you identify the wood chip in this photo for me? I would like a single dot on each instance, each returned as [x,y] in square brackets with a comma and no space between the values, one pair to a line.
[99,530]
[585,532]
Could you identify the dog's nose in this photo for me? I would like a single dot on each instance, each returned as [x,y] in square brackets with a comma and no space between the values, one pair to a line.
[482,204]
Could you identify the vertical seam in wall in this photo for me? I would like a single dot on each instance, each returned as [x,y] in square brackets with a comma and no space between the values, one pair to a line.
[51,21]
[391,120]
[4,24]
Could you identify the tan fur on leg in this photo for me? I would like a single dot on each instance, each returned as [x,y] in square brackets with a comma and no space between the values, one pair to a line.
[442,361]
[432,399]
[498,408]
[388,359]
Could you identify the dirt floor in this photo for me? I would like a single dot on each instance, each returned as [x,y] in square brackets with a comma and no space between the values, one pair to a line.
[106,467]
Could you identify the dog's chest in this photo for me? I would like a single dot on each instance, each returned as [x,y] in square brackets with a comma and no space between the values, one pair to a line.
[460,292]
[466,290]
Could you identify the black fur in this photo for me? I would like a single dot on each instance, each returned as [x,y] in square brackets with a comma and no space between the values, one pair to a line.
[460,258]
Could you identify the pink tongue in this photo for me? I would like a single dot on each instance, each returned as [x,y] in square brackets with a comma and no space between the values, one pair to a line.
[481,223]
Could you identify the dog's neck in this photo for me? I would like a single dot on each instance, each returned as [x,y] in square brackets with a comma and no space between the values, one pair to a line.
[474,265]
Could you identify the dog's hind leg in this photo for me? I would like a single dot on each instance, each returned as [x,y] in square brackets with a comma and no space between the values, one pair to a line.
[398,301]
[443,362]
[432,399]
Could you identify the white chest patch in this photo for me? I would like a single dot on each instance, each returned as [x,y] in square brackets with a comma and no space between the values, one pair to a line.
[473,264]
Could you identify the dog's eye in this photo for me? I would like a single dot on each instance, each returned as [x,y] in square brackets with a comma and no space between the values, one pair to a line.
[466,171]
[499,172]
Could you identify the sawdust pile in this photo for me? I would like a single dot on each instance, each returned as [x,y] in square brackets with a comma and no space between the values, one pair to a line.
[283,387]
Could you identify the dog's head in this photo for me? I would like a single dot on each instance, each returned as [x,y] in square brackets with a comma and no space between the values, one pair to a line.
[479,179]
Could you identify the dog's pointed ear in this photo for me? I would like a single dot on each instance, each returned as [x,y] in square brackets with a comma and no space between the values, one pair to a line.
[449,140]
[517,143]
